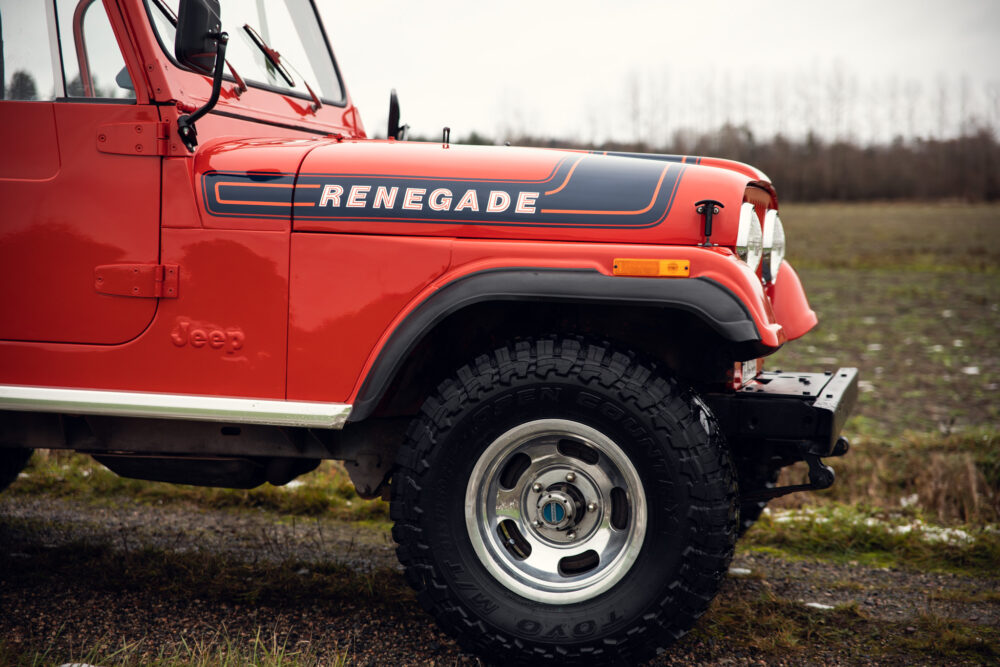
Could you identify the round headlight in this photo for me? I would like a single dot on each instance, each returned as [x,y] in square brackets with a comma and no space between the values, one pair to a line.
[774,245]
[749,238]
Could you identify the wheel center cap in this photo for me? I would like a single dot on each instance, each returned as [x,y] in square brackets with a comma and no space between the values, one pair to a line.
[553,512]
[556,510]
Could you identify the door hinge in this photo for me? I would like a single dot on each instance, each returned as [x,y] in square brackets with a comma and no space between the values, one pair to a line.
[139,138]
[143,280]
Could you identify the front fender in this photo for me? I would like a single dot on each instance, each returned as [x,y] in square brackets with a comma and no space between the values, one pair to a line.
[789,302]
[706,298]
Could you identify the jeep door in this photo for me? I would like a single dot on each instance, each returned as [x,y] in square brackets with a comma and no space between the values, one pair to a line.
[79,178]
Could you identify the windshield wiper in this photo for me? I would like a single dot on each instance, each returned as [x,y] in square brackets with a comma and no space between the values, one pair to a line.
[274,60]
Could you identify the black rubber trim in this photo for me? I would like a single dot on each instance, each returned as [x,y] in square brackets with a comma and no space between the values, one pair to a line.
[805,410]
[713,303]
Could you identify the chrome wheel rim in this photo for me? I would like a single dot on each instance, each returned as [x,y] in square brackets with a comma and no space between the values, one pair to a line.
[555,511]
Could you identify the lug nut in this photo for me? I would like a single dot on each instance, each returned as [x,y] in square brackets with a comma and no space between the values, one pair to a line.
[536,523]
[570,476]
[571,534]
[591,506]
[536,487]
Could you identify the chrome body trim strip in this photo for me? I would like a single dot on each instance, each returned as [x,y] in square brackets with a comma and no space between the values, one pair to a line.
[174,406]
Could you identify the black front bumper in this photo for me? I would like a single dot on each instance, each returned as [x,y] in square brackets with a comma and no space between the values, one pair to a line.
[800,413]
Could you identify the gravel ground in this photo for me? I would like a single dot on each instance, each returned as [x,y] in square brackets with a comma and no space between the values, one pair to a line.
[70,607]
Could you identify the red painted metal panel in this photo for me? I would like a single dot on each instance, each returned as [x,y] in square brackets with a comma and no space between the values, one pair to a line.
[99,208]
[345,292]
[791,307]
[269,163]
[566,195]
[224,335]
[30,146]
[350,292]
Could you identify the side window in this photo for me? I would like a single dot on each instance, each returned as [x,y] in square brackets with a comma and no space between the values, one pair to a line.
[28,62]
[92,62]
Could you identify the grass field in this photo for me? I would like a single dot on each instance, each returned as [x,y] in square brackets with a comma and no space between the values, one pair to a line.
[909,293]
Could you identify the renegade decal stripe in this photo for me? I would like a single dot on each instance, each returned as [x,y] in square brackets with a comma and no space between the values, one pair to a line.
[553,175]
[593,192]
[568,176]
[233,184]
[656,192]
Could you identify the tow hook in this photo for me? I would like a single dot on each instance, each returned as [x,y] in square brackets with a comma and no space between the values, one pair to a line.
[821,476]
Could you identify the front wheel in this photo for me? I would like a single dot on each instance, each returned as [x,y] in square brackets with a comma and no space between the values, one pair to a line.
[561,500]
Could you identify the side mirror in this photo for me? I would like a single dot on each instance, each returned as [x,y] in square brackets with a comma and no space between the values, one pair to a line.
[199,23]
[395,130]
[201,45]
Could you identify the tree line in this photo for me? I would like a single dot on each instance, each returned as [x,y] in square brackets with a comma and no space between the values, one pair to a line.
[965,167]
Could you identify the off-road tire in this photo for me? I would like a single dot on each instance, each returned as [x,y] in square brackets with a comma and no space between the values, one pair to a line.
[12,462]
[669,436]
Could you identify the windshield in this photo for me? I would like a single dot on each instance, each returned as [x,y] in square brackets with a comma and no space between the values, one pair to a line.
[290,27]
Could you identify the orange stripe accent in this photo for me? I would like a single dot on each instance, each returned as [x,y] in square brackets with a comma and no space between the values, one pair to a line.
[568,176]
[656,192]
[219,199]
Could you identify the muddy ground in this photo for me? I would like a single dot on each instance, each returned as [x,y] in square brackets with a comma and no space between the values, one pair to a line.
[77,577]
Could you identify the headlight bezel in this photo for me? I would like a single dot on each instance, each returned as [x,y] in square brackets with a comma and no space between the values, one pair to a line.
[750,237]
[774,245]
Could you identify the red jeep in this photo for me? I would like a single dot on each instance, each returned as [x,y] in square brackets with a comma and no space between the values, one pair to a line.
[548,361]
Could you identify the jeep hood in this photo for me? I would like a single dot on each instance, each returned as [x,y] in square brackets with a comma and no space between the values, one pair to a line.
[432,189]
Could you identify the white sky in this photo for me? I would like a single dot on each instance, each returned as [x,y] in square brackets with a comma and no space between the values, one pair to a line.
[641,68]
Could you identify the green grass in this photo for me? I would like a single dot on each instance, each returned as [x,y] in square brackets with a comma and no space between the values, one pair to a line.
[778,629]
[910,294]
[327,491]
[953,477]
[921,237]
[875,537]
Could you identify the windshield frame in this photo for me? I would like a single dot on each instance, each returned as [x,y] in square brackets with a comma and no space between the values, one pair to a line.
[253,83]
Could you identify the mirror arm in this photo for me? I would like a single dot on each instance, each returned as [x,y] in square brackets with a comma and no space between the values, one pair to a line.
[185,124]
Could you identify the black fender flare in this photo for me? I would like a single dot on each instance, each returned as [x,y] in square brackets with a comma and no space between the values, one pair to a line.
[713,303]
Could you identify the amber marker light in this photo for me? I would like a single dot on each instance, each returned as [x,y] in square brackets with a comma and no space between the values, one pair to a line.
[658,268]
